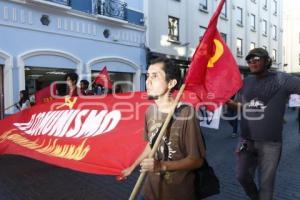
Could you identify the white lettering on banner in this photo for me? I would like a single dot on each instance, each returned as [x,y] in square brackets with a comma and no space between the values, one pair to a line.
[62,128]
[89,127]
[24,126]
[52,121]
[76,129]
[71,123]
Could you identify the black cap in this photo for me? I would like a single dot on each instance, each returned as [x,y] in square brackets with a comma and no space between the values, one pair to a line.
[260,52]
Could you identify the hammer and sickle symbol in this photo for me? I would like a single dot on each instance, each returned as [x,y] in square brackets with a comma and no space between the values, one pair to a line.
[218,53]
[68,102]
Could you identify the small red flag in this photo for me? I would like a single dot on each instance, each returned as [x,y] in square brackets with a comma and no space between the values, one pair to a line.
[213,74]
[45,94]
[103,79]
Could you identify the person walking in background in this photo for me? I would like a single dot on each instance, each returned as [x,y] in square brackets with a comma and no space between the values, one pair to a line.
[262,99]
[118,89]
[298,118]
[99,89]
[231,114]
[294,105]
[24,101]
[84,88]
[71,80]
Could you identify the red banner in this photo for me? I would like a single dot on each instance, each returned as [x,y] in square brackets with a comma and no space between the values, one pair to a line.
[94,134]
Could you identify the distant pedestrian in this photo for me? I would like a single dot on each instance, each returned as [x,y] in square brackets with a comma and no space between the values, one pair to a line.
[24,101]
[98,89]
[118,88]
[84,88]
[72,89]
[231,114]
[298,118]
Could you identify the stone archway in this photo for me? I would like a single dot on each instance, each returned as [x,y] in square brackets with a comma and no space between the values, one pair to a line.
[45,52]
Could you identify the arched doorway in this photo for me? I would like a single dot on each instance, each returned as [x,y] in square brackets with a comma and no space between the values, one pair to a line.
[38,68]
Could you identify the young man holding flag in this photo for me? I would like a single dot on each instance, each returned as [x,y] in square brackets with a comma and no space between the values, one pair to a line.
[214,76]
[171,172]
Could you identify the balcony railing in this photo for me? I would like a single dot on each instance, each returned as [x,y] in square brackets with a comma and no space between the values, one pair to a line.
[112,8]
[62,2]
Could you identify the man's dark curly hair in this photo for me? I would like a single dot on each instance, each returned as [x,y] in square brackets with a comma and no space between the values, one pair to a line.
[172,71]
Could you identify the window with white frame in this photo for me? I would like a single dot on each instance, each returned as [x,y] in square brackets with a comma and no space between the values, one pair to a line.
[252,22]
[274,32]
[224,36]
[274,55]
[239,46]
[264,27]
[203,4]
[173,25]
[239,16]
[275,7]
[224,10]
[252,45]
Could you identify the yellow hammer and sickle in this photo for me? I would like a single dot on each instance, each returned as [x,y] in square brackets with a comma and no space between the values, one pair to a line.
[68,102]
[218,53]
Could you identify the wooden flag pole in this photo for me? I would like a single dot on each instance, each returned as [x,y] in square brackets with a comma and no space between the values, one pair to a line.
[140,180]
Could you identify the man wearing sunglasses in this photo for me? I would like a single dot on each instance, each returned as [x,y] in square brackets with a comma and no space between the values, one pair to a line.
[262,99]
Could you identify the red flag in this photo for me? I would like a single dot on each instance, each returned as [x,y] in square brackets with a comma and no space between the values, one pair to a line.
[46,94]
[213,74]
[103,78]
